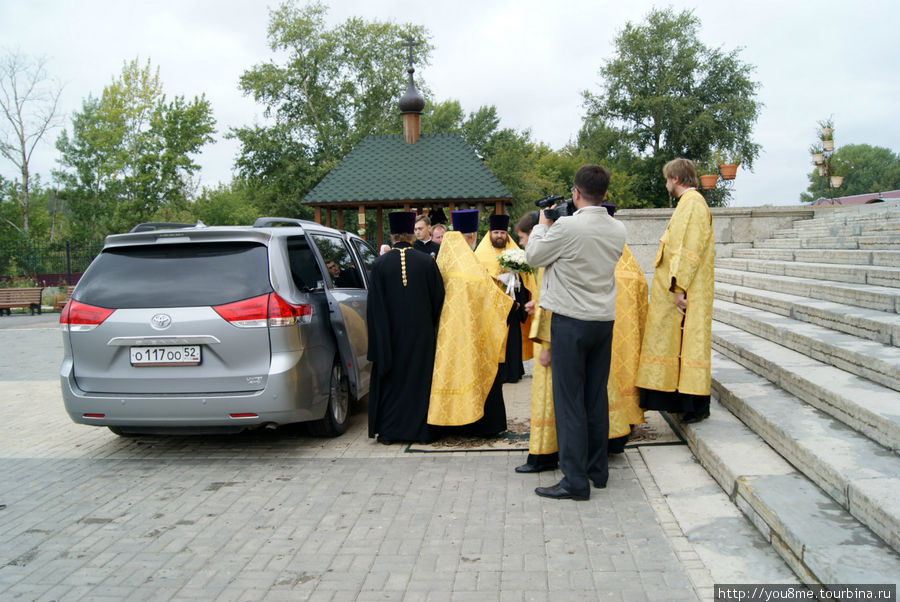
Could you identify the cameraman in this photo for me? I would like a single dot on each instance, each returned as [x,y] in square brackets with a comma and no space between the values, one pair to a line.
[580,254]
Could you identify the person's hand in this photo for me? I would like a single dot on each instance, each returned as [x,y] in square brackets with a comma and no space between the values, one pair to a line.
[544,358]
[543,219]
[680,303]
[529,307]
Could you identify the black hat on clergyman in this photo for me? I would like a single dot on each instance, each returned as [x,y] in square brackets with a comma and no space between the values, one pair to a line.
[498,222]
[402,222]
[465,220]
[610,208]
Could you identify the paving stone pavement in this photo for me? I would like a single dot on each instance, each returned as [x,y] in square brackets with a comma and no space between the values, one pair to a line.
[280,515]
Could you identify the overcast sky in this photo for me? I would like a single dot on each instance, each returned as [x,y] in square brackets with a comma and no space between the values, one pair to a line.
[530,58]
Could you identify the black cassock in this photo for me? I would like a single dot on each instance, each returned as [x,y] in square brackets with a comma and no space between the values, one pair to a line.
[512,369]
[402,323]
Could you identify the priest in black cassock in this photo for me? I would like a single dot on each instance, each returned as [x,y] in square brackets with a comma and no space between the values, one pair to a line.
[404,306]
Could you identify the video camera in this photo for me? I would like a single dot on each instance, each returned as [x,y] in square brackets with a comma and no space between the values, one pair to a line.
[567,208]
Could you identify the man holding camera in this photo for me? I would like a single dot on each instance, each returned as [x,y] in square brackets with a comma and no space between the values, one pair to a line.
[580,253]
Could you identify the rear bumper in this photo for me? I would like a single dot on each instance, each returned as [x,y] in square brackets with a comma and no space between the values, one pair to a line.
[289,396]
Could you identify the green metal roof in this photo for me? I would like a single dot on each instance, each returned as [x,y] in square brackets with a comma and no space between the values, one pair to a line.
[388,170]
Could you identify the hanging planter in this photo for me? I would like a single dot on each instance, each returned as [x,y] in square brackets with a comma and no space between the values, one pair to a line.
[708,181]
[836,181]
[828,145]
[728,170]
[822,169]
[818,158]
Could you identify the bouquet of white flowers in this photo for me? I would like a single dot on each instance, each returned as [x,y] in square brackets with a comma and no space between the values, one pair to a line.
[513,261]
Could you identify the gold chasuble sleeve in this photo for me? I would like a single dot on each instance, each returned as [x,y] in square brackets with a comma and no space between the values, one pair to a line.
[487,254]
[471,336]
[676,356]
[628,334]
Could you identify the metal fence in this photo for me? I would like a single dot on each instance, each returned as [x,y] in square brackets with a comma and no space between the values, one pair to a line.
[49,264]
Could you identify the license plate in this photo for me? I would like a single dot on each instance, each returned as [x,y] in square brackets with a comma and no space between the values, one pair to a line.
[181,355]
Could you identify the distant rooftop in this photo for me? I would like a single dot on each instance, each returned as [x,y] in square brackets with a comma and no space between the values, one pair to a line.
[860,199]
[386,170]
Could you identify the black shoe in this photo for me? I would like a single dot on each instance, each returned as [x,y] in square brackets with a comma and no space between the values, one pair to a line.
[692,417]
[599,485]
[557,492]
[386,441]
[534,468]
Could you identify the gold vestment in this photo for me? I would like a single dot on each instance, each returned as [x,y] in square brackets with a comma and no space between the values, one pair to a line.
[673,358]
[471,336]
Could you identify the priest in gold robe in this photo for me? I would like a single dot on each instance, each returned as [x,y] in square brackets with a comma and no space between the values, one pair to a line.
[674,370]
[519,286]
[465,389]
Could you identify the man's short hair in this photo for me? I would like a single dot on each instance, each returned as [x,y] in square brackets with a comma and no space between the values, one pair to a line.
[682,170]
[441,226]
[592,181]
[424,218]
[395,238]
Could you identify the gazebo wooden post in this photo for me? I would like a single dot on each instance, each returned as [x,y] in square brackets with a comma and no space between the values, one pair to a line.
[328,217]
[379,221]
[362,222]
[498,208]
[340,219]
[318,217]
[452,207]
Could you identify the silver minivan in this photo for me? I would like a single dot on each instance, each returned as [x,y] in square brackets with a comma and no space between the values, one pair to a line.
[218,329]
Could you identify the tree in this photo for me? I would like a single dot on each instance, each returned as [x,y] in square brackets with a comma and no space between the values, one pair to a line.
[872,169]
[335,86]
[29,100]
[671,96]
[130,153]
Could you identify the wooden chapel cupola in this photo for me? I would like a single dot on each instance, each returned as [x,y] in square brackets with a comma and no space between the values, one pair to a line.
[412,103]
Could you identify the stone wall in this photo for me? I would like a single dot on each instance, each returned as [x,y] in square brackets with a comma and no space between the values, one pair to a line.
[734,228]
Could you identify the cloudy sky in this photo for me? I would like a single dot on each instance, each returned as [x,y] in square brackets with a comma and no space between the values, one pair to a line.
[530,58]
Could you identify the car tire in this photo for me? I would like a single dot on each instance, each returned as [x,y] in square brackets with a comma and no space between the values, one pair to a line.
[337,414]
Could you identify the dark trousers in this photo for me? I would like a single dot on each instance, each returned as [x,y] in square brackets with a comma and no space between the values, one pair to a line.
[579,356]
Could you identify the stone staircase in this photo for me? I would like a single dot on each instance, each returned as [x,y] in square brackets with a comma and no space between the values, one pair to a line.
[805,427]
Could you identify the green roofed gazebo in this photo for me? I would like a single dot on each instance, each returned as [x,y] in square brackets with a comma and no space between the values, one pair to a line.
[412,172]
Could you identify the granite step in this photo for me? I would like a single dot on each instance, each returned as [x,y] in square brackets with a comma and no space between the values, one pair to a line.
[854,471]
[814,229]
[873,361]
[818,538]
[867,407]
[838,272]
[885,241]
[886,258]
[871,324]
[881,298]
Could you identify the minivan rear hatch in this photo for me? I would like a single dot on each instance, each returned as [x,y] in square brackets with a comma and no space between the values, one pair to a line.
[169,331]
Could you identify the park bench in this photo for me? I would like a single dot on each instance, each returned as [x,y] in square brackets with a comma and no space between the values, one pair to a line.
[58,305]
[28,298]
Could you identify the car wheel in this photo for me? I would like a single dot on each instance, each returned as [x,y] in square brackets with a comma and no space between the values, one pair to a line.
[337,414]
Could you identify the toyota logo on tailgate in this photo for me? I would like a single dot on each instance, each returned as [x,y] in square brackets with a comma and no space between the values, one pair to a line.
[160,321]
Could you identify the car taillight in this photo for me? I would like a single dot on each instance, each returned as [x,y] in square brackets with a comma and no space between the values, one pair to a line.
[81,317]
[282,313]
[265,310]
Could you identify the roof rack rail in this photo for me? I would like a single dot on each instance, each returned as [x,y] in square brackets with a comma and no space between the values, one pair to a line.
[266,222]
[150,226]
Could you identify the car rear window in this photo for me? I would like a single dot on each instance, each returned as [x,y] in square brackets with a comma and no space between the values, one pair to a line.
[176,275]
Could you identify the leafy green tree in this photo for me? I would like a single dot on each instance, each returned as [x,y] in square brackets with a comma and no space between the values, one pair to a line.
[872,169]
[334,87]
[28,102]
[228,205]
[130,154]
[669,95]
